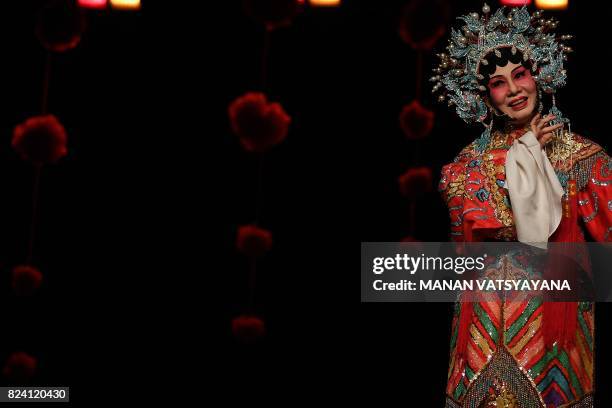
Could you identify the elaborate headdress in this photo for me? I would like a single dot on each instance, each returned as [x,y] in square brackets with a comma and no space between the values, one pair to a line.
[458,77]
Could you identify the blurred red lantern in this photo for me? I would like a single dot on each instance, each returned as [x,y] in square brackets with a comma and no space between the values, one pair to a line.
[248,329]
[40,139]
[20,366]
[273,13]
[423,22]
[416,181]
[416,121]
[515,3]
[60,25]
[26,280]
[93,4]
[253,241]
[259,125]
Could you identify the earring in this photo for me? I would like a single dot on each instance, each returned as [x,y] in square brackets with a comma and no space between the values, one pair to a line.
[494,111]
[540,105]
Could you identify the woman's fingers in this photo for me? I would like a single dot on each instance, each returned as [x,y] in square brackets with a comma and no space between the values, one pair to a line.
[539,127]
[552,128]
[535,120]
[546,119]
[546,137]
[544,133]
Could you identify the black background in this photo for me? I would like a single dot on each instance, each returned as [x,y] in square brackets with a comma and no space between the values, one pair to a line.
[137,224]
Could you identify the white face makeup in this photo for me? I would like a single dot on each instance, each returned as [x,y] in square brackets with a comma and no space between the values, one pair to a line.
[513,91]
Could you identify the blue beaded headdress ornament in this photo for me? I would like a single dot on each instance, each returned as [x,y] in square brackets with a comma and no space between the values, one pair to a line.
[457,75]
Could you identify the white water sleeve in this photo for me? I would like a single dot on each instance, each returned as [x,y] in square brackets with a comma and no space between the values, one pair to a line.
[534,189]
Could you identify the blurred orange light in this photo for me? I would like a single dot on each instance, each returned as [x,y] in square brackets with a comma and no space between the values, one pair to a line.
[552,4]
[515,3]
[324,3]
[126,4]
[94,4]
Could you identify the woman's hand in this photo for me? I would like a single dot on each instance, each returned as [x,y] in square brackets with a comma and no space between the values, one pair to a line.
[542,132]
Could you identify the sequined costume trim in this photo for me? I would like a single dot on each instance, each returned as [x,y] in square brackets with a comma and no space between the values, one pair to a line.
[586,401]
[592,216]
[503,367]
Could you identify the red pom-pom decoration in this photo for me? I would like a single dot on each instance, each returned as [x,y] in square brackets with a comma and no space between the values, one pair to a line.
[253,241]
[26,280]
[20,366]
[416,121]
[248,329]
[40,139]
[60,25]
[259,125]
[423,22]
[273,13]
[416,181]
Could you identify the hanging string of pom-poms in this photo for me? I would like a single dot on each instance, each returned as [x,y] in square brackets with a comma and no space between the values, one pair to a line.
[421,24]
[42,140]
[260,123]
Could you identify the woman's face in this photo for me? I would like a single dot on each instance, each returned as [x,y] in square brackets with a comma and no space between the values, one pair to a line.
[513,91]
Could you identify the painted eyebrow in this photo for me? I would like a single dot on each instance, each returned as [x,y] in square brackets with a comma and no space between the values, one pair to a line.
[495,76]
